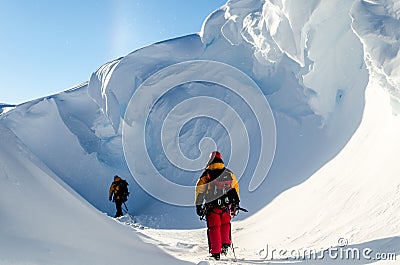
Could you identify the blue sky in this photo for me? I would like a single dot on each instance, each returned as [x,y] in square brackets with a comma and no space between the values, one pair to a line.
[48,46]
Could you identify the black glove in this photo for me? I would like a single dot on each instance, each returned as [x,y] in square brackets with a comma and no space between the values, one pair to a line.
[199,210]
[234,209]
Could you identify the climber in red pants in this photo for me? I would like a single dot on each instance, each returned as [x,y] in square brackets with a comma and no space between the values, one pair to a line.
[217,197]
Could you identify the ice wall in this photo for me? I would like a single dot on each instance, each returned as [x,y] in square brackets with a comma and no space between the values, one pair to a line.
[377,24]
[305,58]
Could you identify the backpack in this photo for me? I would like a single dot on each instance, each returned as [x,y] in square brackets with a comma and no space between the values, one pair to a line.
[221,192]
[121,190]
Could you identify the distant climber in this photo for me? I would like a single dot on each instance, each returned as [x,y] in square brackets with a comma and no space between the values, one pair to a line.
[119,194]
[217,199]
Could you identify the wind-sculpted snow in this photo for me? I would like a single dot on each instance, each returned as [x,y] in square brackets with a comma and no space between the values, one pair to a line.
[228,116]
[286,53]
[377,23]
[277,86]
[306,32]
[307,60]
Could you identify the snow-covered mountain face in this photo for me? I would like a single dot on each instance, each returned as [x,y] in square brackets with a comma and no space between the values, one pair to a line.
[154,115]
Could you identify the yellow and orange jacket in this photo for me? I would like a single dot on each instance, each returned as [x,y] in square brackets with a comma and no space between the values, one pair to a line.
[216,167]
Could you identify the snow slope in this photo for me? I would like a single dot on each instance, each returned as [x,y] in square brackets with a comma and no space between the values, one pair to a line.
[44,221]
[355,196]
[318,167]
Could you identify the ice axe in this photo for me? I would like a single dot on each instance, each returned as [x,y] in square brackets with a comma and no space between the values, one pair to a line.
[242,209]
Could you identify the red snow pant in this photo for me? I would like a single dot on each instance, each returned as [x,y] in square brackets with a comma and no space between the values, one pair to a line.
[218,229]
